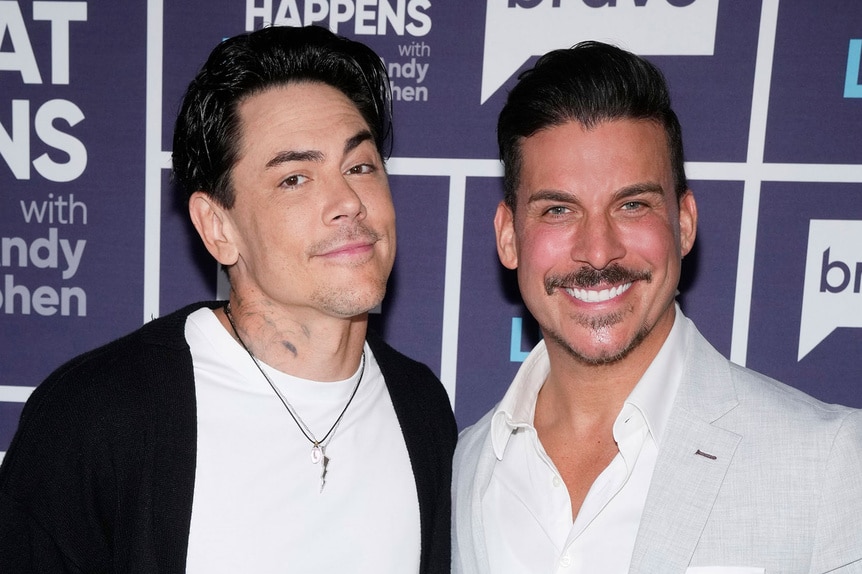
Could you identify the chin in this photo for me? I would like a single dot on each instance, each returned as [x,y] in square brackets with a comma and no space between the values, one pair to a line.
[607,355]
[347,303]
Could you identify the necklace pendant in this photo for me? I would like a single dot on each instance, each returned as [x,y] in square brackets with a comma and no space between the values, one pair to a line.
[323,472]
[317,453]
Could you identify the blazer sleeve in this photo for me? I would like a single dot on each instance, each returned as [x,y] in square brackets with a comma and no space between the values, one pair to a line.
[838,536]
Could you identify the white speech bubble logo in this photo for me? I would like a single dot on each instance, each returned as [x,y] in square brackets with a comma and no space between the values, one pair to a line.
[832,296]
[646,27]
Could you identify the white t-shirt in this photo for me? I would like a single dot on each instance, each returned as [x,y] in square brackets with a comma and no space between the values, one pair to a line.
[257,502]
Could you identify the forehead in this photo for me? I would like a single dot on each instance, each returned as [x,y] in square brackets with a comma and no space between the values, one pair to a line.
[304,113]
[610,155]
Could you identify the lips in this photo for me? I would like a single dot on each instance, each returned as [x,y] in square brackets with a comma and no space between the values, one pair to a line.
[353,248]
[357,241]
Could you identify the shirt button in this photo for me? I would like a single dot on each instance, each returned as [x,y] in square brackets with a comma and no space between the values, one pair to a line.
[557,482]
[566,561]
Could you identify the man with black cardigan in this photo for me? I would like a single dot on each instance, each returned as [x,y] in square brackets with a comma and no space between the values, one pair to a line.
[270,432]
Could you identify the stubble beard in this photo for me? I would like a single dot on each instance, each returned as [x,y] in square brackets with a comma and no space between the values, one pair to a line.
[350,302]
[598,325]
[363,295]
[588,278]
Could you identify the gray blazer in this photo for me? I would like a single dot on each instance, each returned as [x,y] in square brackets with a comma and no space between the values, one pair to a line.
[780,488]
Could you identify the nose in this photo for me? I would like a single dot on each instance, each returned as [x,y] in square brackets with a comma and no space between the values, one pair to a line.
[344,204]
[597,242]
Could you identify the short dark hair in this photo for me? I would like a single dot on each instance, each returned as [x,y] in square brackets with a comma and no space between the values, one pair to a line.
[589,83]
[206,135]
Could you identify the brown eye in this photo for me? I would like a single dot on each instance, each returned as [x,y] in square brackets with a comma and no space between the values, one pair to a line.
[293,180]
[360,169]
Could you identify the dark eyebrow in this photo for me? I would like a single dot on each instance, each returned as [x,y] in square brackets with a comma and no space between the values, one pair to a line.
[315,155]
[556,196]
[357,140]
[292,155]
[551,195]
[639,189]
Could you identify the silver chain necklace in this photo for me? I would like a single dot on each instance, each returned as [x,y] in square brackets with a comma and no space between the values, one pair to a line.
[318,447]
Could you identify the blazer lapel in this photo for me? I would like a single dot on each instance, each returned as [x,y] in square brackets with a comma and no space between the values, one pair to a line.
[694,456]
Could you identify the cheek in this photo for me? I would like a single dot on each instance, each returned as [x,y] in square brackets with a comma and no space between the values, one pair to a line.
[380,208]
[387,213]
[541,253]
[545,249]
[654,241]
[278,236]
[376,194]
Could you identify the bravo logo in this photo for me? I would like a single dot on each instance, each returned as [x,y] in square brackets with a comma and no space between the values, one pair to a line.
[832,296]
[515,30]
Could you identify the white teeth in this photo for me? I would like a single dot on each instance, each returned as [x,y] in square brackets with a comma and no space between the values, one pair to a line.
[592,296]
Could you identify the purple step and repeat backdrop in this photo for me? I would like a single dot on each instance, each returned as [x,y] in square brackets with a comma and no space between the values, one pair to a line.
[93,242]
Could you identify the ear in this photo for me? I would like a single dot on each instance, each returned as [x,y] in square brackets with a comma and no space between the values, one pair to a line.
[213,224]
[504,226]
[687,222]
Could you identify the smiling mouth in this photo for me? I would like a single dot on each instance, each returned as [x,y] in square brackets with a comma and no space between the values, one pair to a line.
[592,285]
[593,296]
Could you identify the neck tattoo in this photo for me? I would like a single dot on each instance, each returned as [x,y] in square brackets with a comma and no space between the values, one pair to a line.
[318,447]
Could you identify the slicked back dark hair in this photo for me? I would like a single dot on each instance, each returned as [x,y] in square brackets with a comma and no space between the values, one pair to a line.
[207,131]
[589,83]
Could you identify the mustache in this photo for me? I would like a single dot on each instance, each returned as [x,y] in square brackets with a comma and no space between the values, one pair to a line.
[587,277]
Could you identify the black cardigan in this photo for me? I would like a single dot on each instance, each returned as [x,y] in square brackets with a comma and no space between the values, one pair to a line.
[101,472]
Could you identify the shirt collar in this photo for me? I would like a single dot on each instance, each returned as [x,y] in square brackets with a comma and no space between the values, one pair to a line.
[518,406]
[653,396]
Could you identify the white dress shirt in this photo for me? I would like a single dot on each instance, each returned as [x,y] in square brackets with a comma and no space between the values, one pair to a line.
[526,509]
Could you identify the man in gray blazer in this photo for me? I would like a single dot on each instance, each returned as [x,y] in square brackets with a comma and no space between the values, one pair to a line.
[626,443]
